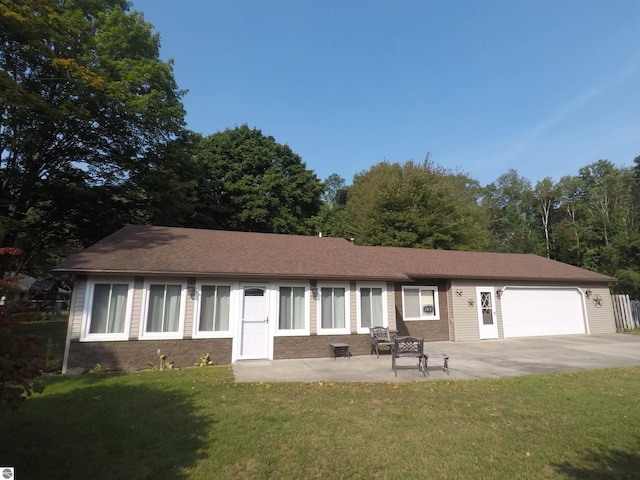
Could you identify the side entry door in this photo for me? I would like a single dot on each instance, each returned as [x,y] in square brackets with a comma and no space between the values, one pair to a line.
[487,318]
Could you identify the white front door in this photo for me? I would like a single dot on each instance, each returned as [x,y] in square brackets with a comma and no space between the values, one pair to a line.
[487,318]
[254,339]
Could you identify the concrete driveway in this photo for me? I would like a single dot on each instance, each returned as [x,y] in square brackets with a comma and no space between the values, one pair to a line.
[468,360]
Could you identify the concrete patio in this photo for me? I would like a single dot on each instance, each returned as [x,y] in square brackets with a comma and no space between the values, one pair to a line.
[468,360]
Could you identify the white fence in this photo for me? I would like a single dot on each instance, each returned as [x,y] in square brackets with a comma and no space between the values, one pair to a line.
[626,312]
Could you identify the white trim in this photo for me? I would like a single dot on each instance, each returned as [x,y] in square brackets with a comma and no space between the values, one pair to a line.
[85,336]
[436,302]
[385,316]
[347,306]
[67,343]
[585,312]
[236,349]
[233,314]
[487,332]
[143,334]
[306,331]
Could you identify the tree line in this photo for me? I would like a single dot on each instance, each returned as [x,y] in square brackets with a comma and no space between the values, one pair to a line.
[93,136]
[591,219]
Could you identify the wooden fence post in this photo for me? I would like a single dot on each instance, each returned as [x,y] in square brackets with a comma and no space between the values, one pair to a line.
[623,313]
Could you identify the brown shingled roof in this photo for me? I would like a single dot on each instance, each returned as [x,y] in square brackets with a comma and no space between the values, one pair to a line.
[186,251]
[422,263]
[137,249]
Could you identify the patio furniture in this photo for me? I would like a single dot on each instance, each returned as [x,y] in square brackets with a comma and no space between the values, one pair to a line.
[408,347]
[380,336]
[339,349]
[445,359]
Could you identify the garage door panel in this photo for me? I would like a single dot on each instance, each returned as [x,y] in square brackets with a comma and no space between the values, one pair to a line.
[542,311]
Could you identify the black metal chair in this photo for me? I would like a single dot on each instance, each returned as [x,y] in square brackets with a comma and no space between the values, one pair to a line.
[408,347]
[380,337]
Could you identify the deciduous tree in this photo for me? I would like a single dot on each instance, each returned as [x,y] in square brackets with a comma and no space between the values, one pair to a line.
[247,181]
[416,205]
[87,109]
[510,203]
[546,200]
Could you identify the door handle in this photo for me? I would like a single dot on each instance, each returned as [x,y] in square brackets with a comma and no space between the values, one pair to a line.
[266,320]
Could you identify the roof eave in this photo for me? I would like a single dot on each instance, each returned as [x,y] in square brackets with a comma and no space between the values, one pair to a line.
[514,278]
[234,275]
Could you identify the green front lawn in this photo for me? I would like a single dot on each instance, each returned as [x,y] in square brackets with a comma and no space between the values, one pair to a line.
[199,423]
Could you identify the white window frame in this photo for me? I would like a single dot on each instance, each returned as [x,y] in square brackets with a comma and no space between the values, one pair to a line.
[197,333]
[347,300]
[436,302]
[144,335]
[85,336]
[385,313]
[307,309]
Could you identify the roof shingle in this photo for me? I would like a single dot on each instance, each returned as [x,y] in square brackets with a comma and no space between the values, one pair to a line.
[137,249]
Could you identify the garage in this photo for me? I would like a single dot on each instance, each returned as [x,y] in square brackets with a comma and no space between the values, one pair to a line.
[531,312]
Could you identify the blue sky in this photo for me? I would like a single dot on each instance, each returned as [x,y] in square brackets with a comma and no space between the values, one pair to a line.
[542,86]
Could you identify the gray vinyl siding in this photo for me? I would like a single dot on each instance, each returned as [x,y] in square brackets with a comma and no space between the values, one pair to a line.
[313,314]
[77,306]
[353,313]
[136,307]
[189,314]
[600,319]
[465,322]
[391,306]
[450,295]
[464,316]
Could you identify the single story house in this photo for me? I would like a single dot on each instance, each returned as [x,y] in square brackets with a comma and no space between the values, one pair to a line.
[239,295]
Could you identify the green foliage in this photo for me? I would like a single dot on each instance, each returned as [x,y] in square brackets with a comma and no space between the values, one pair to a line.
[332,219]
[335,191]
[88,112]
[247,181]
[546,198]
[22,359]
[204,361]
[512,211]
[628,282]
[162,364]
[97,369]
[591,220]
[415,205]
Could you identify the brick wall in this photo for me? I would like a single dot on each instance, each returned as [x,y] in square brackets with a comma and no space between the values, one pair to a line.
[430,330]
[136,354]
[318,345]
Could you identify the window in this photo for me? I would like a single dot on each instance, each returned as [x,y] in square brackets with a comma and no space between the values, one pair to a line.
[215,302]
[292,309]
[420,303]
[164,311]
[334,310]
[371,307]
[108,314]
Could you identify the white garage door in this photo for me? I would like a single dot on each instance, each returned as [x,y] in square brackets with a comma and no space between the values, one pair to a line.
[530,312]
